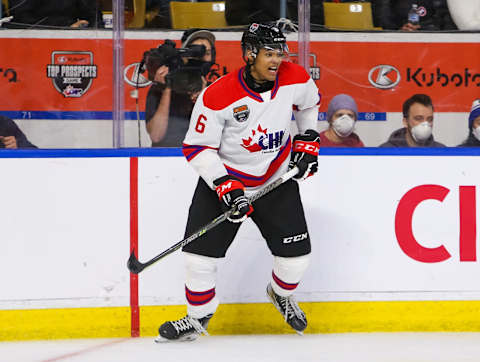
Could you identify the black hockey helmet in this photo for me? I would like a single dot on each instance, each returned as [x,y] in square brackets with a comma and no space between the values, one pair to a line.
[260,36]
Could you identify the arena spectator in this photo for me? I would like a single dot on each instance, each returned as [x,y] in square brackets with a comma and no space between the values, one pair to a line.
[260,11]
[465,13]
[11,136]
[418,124]
[342,115]
[393,15]
[158,14]
[49,14]
[473,139]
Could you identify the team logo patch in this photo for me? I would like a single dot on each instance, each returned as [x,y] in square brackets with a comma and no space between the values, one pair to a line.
[262,140]
[253,28]
[72,73]
[241,113]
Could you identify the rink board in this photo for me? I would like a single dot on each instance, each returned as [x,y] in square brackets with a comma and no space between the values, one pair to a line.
[69,220]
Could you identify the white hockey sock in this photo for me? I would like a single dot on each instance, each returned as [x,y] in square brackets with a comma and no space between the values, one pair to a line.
[287,273]
[201,272]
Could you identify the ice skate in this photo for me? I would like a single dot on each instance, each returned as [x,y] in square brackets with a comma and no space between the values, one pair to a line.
[289,309]
[185,329]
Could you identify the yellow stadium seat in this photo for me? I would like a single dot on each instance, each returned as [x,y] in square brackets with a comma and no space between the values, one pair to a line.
[185,15]
[138,18]
[348,16]
[7,10]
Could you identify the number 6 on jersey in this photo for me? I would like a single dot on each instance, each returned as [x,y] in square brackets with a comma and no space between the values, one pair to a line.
[200,126]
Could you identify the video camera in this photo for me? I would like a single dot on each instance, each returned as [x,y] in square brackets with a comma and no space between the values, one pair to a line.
[185,65]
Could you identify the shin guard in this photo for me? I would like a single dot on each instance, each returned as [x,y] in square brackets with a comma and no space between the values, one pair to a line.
[287,273]
[200,283]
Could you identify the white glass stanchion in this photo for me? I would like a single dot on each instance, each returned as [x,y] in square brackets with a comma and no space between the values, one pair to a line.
[118,112]
[304,33]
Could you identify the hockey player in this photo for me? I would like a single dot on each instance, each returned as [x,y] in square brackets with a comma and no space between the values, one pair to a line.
[238,141]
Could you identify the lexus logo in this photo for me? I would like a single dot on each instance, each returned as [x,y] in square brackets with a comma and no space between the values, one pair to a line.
[132,76]
[384,76]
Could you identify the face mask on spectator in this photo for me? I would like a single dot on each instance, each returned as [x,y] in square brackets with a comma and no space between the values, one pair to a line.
[421,132]
[476,133]
[343,126]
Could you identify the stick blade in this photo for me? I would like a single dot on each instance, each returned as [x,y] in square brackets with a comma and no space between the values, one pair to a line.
[133,264]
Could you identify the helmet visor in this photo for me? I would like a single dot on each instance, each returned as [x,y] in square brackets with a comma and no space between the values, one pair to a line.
[282,47]
[280,50]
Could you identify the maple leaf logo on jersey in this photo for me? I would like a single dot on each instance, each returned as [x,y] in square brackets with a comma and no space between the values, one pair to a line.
[261,140]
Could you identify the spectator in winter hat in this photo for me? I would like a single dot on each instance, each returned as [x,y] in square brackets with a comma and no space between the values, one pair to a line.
[342,115]
[473,139]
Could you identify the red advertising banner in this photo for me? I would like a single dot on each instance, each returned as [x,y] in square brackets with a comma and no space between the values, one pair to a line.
[75,75]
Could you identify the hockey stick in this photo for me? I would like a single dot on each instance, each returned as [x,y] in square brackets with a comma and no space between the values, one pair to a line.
[135,266]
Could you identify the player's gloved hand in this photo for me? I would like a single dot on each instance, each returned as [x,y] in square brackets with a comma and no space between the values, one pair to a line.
[305,154]
[231,193]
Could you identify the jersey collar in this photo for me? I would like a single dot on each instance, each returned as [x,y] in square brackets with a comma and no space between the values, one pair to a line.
[253,94]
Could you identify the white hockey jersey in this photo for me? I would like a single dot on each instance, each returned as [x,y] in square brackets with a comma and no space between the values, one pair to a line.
[234,130]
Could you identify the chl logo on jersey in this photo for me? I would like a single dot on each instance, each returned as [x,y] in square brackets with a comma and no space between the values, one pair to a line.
[241,113]
[262,140]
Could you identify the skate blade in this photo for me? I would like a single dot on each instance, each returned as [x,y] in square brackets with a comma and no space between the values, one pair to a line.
[190,338]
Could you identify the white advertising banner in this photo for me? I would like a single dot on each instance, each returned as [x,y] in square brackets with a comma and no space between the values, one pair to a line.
[394,226]
[382,228]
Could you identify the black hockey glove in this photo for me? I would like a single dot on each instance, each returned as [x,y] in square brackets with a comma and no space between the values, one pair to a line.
[231,193]
[305,154]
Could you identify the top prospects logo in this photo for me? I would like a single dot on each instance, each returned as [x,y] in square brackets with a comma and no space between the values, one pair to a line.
[261,140]
[72,72]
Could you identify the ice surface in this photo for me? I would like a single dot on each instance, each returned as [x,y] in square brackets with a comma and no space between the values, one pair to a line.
[348,347]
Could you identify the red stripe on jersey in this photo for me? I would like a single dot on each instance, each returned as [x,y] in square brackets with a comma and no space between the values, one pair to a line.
[251,180]
[199,298]
[191,151]
[282,284]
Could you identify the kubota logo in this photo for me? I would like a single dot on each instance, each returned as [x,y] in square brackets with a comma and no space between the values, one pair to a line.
[384,76]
